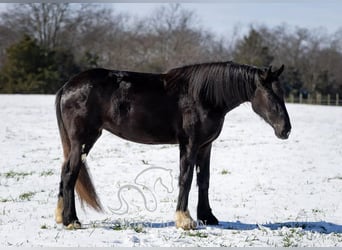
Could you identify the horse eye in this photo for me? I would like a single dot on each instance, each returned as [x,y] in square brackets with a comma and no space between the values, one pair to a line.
[278,91]
[275,108]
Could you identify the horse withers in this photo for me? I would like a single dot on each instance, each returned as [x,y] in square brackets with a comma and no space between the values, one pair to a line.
[184,106]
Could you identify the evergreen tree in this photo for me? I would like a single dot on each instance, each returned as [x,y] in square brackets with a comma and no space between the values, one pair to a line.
[30,68]
[252,49]
[292,81]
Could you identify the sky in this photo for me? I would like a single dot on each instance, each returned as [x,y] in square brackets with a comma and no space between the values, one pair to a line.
[221,17]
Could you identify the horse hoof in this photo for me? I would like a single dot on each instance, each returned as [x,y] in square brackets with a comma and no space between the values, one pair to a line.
[59,211]
[74,225]
[58,218]
[184,220]
[209,220]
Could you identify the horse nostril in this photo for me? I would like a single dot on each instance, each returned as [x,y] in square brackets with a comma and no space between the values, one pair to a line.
[285,133]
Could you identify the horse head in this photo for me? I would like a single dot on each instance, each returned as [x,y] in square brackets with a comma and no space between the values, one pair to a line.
[166,180]
[268,102]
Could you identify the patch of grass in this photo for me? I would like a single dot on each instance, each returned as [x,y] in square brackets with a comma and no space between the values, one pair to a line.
[145,162]
[16,175]
[26,196]
[44,226]
[139,228]
[335,178]
[5,200]
[197,234]
[317,211]
[225,172]
[47,173]
[287,242]
[292,237]
[117,227]
[251,238]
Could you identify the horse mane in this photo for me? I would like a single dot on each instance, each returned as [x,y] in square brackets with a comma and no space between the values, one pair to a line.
[219,82]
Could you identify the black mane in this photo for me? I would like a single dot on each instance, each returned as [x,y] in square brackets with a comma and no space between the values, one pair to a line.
[220,82]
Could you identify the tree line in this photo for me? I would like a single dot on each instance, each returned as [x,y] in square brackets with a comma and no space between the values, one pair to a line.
[43,44]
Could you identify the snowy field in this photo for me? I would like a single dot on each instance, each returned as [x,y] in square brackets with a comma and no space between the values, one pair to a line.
[264,191]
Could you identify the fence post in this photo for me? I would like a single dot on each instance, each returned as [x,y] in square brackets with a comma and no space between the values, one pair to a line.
[328,99]
[318,98]
[292,98]
[337,99]
[300,98]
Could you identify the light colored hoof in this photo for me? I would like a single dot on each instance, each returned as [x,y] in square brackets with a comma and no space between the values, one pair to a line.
[73,226]
[58,218]
[184,220]
[58,211]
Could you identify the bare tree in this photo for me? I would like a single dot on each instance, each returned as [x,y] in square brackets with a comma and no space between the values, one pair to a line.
[42,21]
[7,38]
[98,31]
[177,39]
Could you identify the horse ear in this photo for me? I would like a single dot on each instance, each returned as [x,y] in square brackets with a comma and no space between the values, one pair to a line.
[266,74]
[279,71]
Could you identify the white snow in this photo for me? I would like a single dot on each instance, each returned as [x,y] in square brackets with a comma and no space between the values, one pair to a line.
[264,191]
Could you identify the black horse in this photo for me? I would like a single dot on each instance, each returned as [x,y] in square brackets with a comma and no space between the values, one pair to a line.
[184,106]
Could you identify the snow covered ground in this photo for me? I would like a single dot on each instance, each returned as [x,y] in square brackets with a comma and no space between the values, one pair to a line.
[264,191]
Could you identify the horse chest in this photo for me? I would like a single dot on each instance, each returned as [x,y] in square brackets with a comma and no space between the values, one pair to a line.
[202,124]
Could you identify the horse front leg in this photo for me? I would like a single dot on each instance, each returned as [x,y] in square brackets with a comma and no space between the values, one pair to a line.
[187,162]
[204,213]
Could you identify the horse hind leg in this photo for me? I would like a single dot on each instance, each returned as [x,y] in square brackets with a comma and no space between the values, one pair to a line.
[75,176]
[79,128]
[66,151]
[69,176]
[59,208]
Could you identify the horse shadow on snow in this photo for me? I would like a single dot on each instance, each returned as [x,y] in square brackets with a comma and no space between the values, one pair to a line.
[316,227]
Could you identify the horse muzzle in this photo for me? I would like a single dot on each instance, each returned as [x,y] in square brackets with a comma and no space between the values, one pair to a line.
[283,133]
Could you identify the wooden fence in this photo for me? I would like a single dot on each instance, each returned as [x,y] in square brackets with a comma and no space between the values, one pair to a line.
[317,98]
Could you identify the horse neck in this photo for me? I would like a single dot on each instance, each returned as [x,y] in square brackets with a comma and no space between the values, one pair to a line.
[228,86]
[236,95]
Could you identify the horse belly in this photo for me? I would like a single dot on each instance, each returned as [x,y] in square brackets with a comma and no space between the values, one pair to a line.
[143,123]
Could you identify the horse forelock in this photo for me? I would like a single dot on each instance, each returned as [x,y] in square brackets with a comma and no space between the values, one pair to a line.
[219,82]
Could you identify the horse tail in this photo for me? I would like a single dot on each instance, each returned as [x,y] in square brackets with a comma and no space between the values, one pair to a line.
[86,190]
[84,185]
[62,131]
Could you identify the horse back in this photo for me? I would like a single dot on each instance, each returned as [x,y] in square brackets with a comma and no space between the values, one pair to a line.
[131,105]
